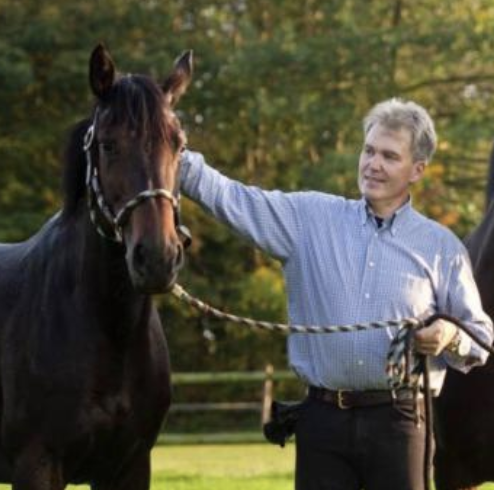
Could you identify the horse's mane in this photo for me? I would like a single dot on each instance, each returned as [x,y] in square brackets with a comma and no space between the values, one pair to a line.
[74,175]
[136,103]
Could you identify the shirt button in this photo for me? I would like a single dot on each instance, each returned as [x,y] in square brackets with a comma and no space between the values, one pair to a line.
[371,264]
[360,362]
[366,295]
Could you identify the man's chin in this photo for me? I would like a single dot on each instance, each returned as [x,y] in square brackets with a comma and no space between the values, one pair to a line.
[372,196]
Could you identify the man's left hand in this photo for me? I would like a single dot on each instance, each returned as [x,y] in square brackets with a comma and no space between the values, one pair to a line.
[433,339]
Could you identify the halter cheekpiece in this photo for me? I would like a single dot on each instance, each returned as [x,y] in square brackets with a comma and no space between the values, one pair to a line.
[96,201]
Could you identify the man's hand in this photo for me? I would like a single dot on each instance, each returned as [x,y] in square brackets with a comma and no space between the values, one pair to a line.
[433,339]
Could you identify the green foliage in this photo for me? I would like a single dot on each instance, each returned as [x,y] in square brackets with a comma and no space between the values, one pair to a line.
[279,91]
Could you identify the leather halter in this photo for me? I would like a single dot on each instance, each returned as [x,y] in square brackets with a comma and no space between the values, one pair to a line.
[116,221]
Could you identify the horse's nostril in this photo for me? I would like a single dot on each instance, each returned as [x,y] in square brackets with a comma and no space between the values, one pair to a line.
[139,256]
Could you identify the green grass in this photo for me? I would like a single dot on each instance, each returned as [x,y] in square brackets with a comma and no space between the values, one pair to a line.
[229,466]
[223,467]
[219,467]
[226,467]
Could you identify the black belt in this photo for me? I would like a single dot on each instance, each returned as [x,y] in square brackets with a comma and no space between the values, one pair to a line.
[354,399]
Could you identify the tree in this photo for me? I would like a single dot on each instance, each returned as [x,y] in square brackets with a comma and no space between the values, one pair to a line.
[279,91]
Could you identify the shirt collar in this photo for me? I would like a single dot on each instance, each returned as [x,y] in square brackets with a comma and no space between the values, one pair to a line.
[392,223]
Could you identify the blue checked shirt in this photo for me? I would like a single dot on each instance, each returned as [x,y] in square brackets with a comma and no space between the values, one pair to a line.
[341,269]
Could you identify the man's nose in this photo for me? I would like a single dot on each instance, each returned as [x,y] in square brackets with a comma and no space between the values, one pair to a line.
[375,161]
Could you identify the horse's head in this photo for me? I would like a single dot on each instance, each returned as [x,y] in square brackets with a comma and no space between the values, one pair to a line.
[133,153]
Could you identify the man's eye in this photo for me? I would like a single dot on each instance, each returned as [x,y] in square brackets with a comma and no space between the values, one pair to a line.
[391,156]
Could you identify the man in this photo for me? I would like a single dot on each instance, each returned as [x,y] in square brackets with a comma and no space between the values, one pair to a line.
[347,262]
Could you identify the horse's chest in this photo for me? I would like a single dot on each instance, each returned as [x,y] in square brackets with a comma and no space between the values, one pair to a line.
[123,403]
[110,411]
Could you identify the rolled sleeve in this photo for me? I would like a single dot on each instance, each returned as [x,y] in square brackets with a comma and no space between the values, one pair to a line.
[463,302]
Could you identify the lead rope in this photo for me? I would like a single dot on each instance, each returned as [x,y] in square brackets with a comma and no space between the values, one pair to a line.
[402,367]
[397,367]
[424,361]
[429,423]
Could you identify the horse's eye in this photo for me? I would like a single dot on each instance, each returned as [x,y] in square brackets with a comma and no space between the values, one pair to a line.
[109,148]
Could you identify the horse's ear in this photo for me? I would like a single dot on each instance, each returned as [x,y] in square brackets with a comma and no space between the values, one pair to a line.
[177,82]
[101,71]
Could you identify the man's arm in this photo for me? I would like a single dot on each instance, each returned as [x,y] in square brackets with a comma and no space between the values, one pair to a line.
[269,219]
[462,300]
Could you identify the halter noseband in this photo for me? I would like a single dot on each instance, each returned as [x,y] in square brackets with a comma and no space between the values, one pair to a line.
[96,200]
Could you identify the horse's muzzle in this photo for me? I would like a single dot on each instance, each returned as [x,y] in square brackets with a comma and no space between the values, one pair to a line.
[154,270]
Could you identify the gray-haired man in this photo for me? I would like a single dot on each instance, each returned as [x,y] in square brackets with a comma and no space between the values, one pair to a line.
[351,261]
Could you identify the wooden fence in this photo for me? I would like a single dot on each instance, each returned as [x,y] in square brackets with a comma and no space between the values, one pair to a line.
[267,379]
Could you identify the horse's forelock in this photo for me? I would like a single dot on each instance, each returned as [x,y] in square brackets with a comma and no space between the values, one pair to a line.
[138,103]
[74,174]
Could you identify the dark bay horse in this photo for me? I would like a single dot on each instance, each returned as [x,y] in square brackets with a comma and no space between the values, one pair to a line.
[84,370]
[465,409]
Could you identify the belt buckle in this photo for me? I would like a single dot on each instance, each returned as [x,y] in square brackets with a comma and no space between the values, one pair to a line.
[340,401]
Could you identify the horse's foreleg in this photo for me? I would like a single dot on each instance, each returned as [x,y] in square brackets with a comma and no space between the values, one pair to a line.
[134,475]
[36,469]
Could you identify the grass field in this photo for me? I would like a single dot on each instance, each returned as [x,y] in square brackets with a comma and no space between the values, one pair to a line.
[226,467]
[219,467]
[223,467]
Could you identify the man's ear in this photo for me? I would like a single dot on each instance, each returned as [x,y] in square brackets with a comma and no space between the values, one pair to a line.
[417,172]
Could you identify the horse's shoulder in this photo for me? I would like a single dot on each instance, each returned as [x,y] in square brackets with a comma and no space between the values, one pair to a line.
[12,271]
[19,261]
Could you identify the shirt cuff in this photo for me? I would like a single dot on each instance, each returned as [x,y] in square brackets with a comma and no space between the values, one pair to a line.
[465,355]
[190,165]
[464,345]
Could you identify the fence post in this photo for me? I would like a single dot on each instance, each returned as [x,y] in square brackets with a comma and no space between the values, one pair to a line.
[267,396]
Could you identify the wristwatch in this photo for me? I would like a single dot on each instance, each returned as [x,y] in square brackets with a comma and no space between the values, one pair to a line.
[457,347]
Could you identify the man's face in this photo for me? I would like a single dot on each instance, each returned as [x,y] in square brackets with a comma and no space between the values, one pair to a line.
[386,169]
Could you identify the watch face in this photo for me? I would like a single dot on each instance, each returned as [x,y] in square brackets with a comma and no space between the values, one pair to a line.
[463,348]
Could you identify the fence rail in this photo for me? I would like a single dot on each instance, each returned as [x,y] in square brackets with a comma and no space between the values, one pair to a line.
[267,379]
[231,376]
[208,407]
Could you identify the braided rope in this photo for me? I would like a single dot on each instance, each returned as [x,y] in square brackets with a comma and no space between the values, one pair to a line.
[398,367]
[123,214]
[96,201]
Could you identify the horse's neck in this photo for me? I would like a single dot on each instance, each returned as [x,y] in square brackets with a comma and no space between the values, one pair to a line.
[100,273]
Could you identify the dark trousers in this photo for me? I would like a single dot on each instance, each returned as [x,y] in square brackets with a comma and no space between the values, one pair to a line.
[371,448]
